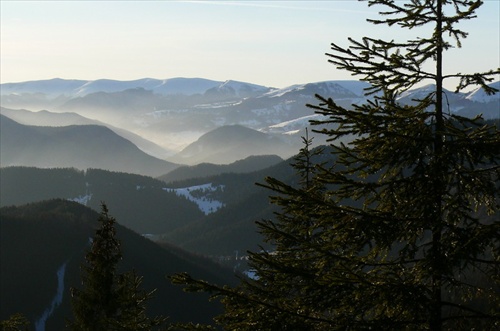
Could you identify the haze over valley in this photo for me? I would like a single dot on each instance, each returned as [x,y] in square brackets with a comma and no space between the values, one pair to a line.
[188,121]
[269,155]
[175,160]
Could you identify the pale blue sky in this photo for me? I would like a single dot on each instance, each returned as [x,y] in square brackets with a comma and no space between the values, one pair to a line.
[272,43]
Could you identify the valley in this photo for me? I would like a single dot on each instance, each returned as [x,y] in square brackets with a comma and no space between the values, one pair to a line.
[175,160]
[170,119]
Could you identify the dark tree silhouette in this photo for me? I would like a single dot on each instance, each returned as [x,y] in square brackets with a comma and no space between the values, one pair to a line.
[397,229]
[109,300]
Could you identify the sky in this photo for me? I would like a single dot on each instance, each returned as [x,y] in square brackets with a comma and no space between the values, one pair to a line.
[271,43]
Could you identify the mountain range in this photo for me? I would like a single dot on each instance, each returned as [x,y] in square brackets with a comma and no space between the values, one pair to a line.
[187,124]
[79,146]
[47,118]
[174,113]
[152,127]
[175,160]
[57,87]
[139,202]
[202,170]
[176,212]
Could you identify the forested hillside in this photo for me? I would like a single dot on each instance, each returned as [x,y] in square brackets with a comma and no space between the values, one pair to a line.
[139,201]
[249,164]
[39,239]
[144,205]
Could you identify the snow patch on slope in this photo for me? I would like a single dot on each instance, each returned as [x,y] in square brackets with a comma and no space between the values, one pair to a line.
[419,92]
[293,126]
[479,95]
[354,86]
[238,88]
[56,301]
[298,122]
[201,195]
[82,199]
[280,92]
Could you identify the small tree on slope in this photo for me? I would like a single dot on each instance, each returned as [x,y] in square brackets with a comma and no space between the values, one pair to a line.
[108,300]
[402,230]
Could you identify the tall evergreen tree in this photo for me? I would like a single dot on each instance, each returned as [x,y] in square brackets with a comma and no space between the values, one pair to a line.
[400,230]
[109,300]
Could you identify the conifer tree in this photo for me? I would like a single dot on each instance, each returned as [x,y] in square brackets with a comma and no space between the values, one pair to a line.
[109,300]
[16,322]
[399,230]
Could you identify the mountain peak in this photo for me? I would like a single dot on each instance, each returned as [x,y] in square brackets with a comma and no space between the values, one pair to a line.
[479,95]
[230,143]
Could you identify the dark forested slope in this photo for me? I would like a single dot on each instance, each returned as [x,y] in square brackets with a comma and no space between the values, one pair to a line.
[249,164]
[39,239]
[139,202]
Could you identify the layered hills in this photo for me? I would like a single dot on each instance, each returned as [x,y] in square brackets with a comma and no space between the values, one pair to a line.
[211,214]
[174,113]
[231,143]
[56,119]
[201,170]
[139,202]
[201,124]
[175,160]
[79,146]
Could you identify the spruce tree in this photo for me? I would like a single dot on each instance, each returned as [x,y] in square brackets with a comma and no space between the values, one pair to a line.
[16,322]
[399,229]
[109,300]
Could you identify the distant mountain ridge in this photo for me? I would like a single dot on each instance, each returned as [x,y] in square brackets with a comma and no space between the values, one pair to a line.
[479,95]
[175,113]
[250,164]
[77,88]
[231,143]
[190,86]
[53,119]
[79,146]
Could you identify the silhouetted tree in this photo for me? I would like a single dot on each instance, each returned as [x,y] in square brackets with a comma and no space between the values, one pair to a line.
[402,231]
[109,300]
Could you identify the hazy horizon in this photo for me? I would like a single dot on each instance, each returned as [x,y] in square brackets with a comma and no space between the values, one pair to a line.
[275,44]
